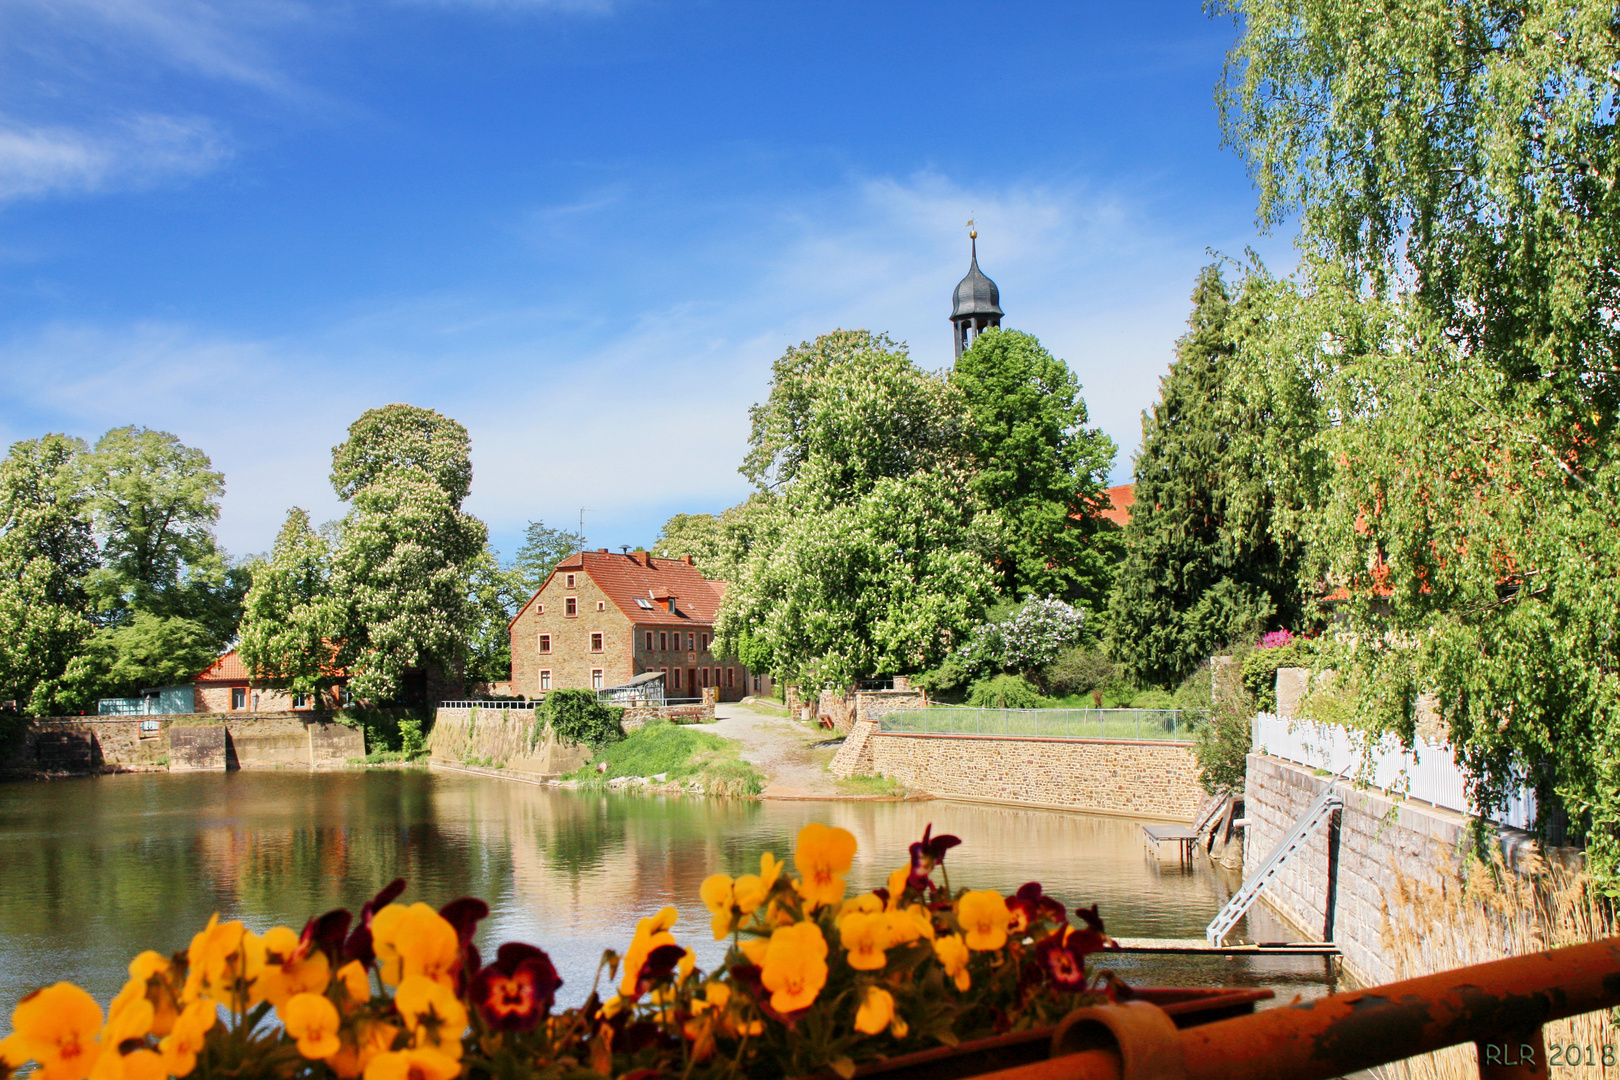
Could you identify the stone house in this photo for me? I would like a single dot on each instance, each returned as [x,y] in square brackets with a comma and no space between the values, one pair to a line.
[226,687]
[601,619]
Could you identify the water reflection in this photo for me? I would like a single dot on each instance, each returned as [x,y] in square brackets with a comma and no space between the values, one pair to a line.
[94,870]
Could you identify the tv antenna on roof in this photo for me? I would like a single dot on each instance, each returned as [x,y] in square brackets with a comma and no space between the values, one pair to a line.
[582,512]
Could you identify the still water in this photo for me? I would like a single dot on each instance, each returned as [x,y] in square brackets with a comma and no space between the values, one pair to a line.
[94,870]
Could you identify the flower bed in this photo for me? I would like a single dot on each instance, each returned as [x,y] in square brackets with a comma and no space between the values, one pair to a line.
[813,981]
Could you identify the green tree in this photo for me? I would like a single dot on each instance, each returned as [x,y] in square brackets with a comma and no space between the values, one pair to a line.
[289,618]
[149,650]
[1037,467]
[155,501]
[1204,564]
[697,535]
[402,569]
[46,553]
[543,548]
[861,552]
[496,594]
[1451,169]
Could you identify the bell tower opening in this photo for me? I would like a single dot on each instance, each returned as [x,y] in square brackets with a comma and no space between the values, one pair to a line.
[976,304]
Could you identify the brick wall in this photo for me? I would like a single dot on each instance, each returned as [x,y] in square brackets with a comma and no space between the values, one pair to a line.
[1377,836]
[1105,776]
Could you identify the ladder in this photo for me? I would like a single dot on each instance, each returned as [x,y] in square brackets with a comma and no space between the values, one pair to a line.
[1244,898]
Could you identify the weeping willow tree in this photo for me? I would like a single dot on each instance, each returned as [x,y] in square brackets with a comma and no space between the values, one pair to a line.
[1452,170]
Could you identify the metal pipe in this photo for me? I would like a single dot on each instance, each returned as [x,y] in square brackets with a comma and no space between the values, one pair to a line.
[1500,1006]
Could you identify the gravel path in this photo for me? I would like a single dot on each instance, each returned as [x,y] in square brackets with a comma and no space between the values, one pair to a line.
[792,756]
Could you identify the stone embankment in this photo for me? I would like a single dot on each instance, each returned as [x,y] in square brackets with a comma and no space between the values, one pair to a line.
[206,741]
[507,738]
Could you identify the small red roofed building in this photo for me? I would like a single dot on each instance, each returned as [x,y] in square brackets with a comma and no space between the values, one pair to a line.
[602,619]
[226,687]
[1120,500]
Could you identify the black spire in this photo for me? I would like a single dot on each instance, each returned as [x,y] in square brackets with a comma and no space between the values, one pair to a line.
[976,304]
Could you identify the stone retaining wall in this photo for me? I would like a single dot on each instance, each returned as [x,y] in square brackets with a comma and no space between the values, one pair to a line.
[1135,778]
[192,741]
[503,737]
[1377,835]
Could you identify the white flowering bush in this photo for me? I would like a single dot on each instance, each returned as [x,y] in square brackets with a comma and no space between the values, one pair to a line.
[1030,638]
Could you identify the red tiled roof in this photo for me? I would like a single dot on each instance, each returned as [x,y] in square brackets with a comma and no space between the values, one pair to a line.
[638,575]
[227,668]
[1120,500]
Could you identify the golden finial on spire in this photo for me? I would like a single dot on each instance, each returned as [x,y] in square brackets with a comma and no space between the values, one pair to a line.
[973,234]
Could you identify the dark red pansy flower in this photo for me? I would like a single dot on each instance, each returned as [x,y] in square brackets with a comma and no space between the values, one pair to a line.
[928,853]
[1063,966]
[463,914]
[358,947]
[517,991]
[659,965]
[326,933]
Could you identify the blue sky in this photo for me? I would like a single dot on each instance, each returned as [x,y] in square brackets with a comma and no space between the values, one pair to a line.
[583,228]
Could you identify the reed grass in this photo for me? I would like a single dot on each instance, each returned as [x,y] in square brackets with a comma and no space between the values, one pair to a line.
[1473,912]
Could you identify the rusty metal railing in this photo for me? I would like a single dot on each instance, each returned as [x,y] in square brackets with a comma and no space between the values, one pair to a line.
[1500,1007]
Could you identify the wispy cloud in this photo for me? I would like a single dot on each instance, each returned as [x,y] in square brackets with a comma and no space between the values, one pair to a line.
[136,152]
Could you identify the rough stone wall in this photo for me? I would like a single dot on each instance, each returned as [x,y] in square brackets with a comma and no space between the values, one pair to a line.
[216,698]
[1105,776]
[503,737]
[198,749]
[639,716]
[1377,836]
[570,660]
[236,740]
[838,707]
[876,704]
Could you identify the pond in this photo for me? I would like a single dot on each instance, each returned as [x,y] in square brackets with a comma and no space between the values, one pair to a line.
[93,870]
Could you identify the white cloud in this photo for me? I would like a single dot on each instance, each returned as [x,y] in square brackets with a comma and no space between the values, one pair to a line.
[632,405]
[141,150]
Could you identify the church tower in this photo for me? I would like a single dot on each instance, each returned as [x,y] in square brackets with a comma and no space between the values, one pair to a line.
[976,305]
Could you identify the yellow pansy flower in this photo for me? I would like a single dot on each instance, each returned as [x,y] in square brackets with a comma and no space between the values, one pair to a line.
[877,1012]
[984,918]
[866,936]
[651,933]
[223,961]
[795,967]
[432,1013]
[312,1020]
[286,972]
[152,969]
[823,856]
[57,1028]
[751,890]
[360,1046]
[356,985]
[755,948]
[139,1064]
[897,885]
[866,903]
[412,1065]
[415,940]
[953,955]
[719,897]
[180,1047]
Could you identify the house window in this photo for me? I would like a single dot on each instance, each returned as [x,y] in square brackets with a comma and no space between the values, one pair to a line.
[756,684]
[150,728]
[663,641]
[649,641]
[665,672]
[545,679]
[689,647]
[569,578]
[345,698]
[539,609]
[601,605]
[596,643]
[238,697]
[704,639]
[545,643]
[596,678]
[677,678]
[570,607]
[704,672]
[298,701]
[730,676]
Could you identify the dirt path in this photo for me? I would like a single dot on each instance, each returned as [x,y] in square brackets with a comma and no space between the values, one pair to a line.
[791,755]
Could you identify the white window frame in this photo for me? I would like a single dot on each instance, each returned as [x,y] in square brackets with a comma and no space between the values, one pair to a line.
[545,679]
[597,681]
[568,581]
[601,605]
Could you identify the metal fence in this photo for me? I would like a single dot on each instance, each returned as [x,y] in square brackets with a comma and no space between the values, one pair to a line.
[489,704]
[1429,772]
[1155,724]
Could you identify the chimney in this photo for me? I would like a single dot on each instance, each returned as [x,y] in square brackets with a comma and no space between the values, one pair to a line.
[688,560]
[602,550]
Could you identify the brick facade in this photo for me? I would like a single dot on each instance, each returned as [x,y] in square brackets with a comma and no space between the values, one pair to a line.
[617,602]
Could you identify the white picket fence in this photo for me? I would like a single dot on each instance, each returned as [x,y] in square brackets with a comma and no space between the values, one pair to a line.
[1429,773]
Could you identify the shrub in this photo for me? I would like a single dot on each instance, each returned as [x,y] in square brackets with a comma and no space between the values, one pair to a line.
[1153,699]
[1078,670]
[1030,639]
[411,743]
[948,682]
[1260,664]
[1222,744]
[1004,692]
[576,715]
[1196,690]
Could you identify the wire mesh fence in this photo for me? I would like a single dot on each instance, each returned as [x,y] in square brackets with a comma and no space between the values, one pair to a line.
[1162,724]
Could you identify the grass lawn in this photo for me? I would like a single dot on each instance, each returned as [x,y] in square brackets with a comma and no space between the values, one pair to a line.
[705,762]
[872,785]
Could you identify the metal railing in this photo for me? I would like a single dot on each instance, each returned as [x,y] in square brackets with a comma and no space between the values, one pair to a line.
[1428,772]
[488,704]
[1170,725]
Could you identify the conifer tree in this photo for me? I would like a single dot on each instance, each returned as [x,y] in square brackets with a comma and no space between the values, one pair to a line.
[1201,565]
